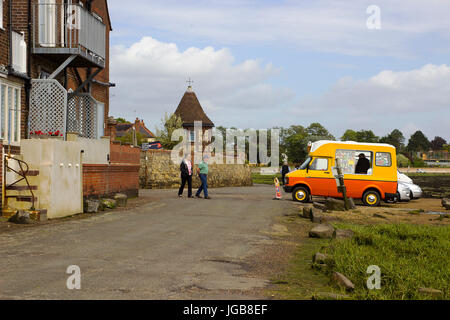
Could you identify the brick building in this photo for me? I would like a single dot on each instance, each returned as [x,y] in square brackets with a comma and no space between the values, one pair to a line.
[67,41]
[124,129]
[54,81]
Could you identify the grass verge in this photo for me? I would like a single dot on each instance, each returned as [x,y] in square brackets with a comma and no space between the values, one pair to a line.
[409,256]
[265,179]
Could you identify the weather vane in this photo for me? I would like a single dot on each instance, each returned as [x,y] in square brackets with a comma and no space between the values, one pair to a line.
[190,82]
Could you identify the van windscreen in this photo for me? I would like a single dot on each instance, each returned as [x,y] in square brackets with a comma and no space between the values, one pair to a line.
[305,164]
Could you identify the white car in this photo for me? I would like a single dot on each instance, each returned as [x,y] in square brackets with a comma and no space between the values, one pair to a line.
[403,192]
[405,182]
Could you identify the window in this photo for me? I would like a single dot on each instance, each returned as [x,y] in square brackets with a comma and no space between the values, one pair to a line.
[319,164]
[192,136]
[349,159]
[47,23]
[10,114]
[100,119]
[305,164]
[19,52]
[1,14]
[383,159]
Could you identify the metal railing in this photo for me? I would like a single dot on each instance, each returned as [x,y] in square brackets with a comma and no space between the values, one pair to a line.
[59,26]
[22,172]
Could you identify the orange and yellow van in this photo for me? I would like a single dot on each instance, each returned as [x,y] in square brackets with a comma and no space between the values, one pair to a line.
[369,169]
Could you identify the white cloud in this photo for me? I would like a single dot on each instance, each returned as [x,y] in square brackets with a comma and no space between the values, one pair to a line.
[337,26]
[412,99]
[151,79]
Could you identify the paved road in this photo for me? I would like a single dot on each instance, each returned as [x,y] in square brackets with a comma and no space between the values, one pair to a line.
[169,248]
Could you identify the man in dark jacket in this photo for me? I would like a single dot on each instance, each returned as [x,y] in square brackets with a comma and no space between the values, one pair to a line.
[186,175]
[363,165]
[284,171]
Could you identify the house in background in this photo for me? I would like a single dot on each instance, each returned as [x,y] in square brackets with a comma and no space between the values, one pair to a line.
[54,84]
[190,111]
[128,129]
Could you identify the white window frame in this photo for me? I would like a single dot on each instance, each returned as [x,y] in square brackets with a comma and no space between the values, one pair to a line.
[1,14]
[19,52]
[47,23]
[10,120]
[100,119]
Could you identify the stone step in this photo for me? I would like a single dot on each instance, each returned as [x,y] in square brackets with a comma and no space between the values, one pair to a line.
[21,188]
[33,173]
[22,198]
[36,215]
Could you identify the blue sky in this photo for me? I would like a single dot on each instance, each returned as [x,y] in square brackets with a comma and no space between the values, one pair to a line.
[259,64]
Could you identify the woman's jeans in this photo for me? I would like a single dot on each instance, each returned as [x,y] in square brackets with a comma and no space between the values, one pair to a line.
[185,179]
[204,186]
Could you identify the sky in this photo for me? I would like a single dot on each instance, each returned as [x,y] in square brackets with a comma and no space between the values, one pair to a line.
[262,63]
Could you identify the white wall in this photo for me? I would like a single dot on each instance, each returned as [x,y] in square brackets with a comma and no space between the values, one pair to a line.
[60,181]
[96,151]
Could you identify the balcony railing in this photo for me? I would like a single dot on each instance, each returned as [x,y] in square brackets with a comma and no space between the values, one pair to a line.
[68,29]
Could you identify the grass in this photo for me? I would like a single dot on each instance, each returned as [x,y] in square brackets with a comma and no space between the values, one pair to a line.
[300,281]
[431,174]
[409,256]
[265,179]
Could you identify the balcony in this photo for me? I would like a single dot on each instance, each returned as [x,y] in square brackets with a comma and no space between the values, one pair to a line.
[64,30]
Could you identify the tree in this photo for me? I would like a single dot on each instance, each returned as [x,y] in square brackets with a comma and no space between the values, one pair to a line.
[169,125]
[446,147]
[366,136]
[349,135]
[318,132]
[418,142]
[122,120]
[296,143]
[128,138]
[402,161]
[438,143]
[395,138]
[360,136]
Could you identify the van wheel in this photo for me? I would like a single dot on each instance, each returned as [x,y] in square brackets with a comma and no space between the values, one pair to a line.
[300,194]
[371,198]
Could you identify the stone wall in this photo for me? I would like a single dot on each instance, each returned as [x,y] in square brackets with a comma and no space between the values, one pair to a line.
[158,172]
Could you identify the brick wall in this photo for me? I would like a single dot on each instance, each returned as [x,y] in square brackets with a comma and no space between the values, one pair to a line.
[101,180]
[1,172]
[123,154]
[121,175]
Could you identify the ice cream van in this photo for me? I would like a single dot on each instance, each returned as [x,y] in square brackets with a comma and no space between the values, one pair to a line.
[369,169]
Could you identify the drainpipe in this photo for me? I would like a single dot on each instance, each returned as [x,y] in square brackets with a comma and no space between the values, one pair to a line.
[65,69]
[10,36]
[28,81]
[89,70]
